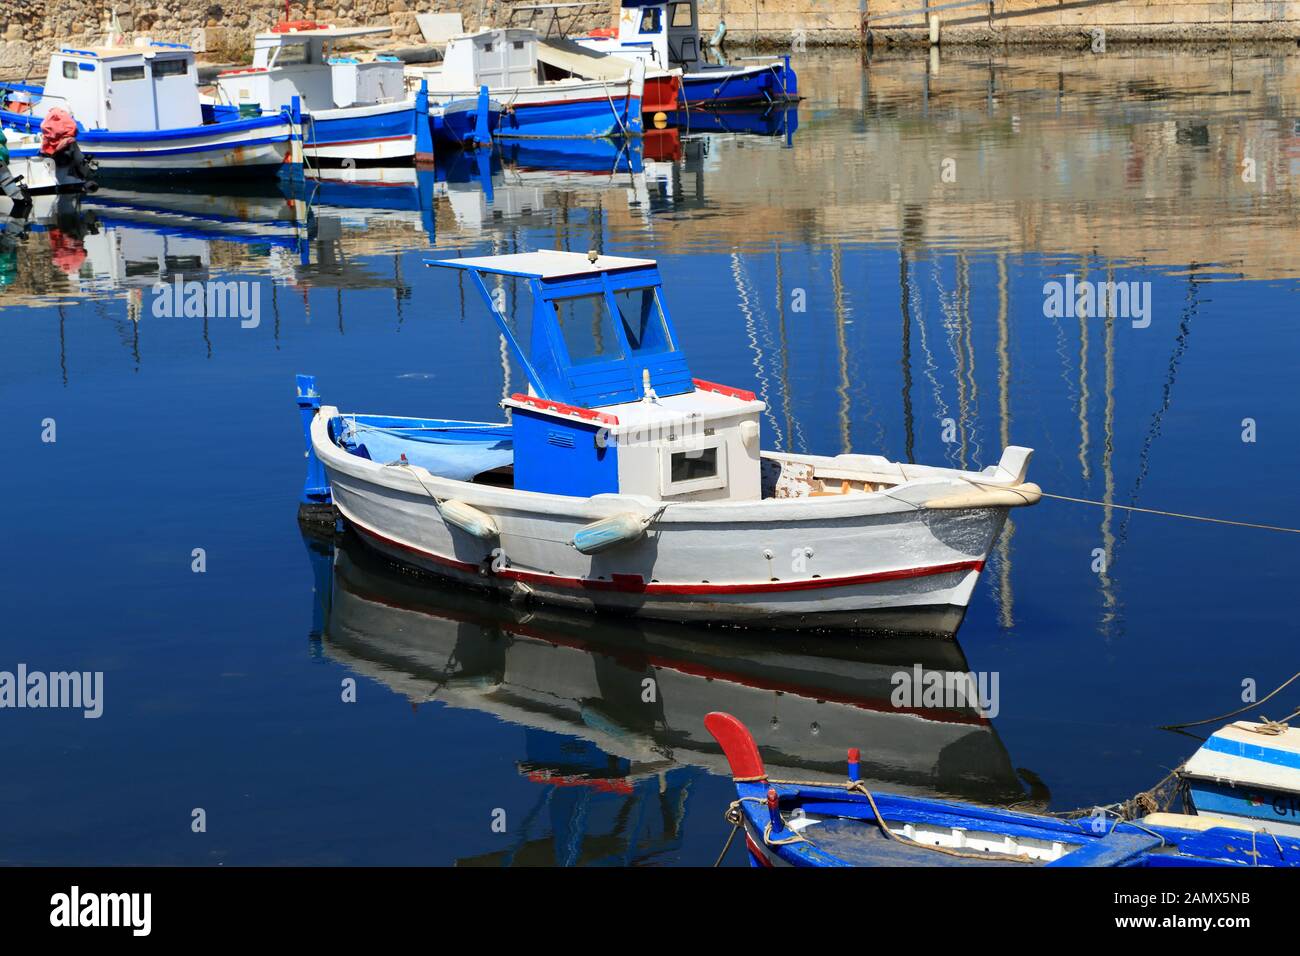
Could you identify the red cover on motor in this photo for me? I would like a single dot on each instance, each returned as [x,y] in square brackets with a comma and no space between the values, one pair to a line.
[58,129]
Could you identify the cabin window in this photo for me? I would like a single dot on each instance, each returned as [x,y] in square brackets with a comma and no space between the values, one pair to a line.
[122,73]
[693,465]
[519,44]
[176,67]
[588,330]
[487,47]
[681,15]
[70,71]
[692,470]
[643,320]
[650,22]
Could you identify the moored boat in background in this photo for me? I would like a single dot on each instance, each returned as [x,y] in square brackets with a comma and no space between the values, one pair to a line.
[355,106]
[525,103]
[138,113]
[666,33]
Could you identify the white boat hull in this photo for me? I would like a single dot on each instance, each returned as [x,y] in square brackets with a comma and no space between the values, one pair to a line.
[40,174]
[880,561]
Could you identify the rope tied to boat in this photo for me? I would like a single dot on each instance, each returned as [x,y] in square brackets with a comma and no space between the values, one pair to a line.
[1134,508]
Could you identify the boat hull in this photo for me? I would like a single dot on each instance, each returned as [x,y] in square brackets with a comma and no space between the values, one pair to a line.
[253,147]
[870,562]
[735,86]
[377,134]
[562,110]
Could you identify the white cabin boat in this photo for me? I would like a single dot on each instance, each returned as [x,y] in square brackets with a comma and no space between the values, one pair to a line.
[525,103]
[356,105]
[138,113]
[622,483]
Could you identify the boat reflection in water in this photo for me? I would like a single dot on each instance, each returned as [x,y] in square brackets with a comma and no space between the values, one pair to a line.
[614,708]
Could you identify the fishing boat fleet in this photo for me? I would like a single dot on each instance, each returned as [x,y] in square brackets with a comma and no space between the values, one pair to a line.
[314,97]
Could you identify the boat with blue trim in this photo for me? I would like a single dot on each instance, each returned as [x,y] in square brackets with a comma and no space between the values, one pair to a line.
[1249,771]
[525,103]
[666,34]
[355,105]
[623,483]
[138,113]
[808,823]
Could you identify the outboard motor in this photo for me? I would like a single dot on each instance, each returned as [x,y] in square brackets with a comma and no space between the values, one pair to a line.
[11,186]
[59,140]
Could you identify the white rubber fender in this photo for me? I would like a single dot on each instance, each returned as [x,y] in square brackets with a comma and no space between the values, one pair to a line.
[610,532]
[1011,496]
[469,519]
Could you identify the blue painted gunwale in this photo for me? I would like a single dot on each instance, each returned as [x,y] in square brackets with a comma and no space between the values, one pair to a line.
[1221,846]
[344,129]
[583,118]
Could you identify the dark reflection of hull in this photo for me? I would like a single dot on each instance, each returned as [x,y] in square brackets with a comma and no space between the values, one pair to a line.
[586,676]
[758,121]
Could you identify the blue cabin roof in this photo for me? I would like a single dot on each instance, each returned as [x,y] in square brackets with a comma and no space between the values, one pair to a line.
[599,323]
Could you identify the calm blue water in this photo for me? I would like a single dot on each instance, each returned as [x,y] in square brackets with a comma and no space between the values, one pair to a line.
[922,301]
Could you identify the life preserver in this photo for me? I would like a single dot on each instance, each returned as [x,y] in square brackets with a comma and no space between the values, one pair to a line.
[295,26]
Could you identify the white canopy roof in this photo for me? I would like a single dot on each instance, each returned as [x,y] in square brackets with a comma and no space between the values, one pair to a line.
[546,264]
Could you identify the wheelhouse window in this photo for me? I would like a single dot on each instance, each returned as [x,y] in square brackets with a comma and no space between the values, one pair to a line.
[694,465]
[643,320]
[123,73]
[176,67]
[681,15]
[588,329]
[70,71]
[650,22]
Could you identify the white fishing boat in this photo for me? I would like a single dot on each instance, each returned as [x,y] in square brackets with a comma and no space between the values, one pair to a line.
[355,104]
[138,113]
[624,484]
[524,102]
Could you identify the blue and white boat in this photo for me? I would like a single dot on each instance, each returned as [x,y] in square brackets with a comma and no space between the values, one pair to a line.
[138,113]
[800,823]
[356,108]
[525,103]
[622,483]
[1248,772]
[666,34]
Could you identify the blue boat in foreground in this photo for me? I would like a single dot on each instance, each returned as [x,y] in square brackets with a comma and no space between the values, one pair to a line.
[799,823]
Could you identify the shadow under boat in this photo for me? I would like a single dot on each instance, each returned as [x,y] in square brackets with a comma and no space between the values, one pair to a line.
[637,691]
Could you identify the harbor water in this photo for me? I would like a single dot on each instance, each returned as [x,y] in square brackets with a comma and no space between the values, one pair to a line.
[895,267]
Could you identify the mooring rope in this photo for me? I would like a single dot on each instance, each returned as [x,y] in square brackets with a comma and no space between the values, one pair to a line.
[1236,713]
[1106,504]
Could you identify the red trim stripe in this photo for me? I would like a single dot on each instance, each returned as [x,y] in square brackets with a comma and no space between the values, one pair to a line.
[546,405]
[634,584]
[743,394]
[755,852]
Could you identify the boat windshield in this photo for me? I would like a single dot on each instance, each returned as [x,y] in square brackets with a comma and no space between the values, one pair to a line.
[588,330]
[643,319]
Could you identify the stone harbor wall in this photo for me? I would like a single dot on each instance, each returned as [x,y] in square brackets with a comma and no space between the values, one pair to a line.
[31,28]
